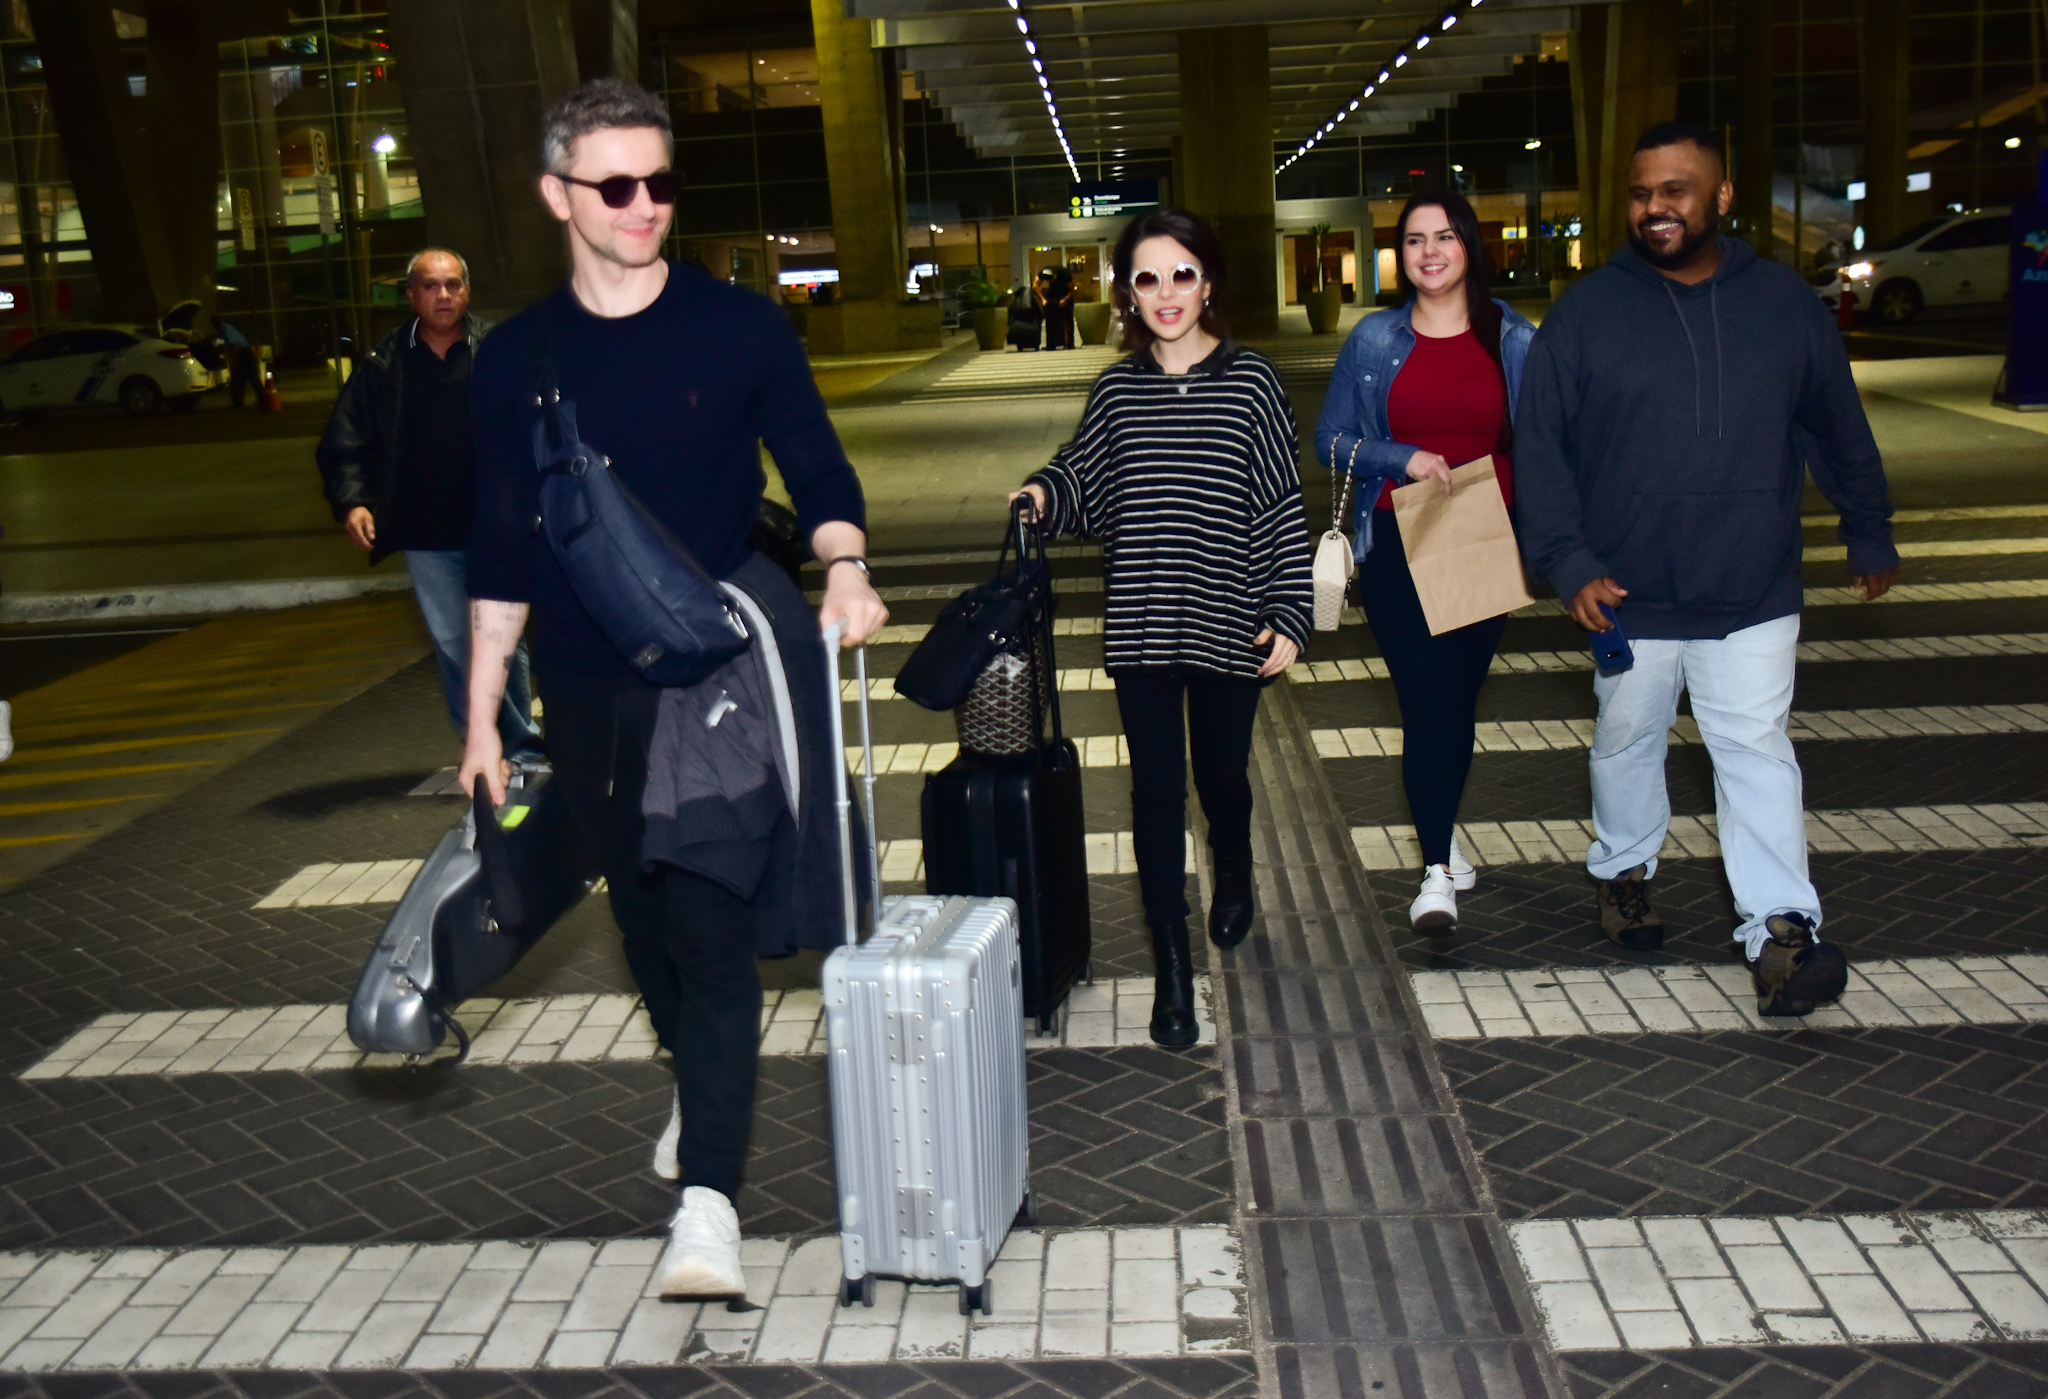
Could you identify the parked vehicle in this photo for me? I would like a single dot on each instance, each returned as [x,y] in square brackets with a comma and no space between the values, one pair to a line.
[80,366]
[1954,260]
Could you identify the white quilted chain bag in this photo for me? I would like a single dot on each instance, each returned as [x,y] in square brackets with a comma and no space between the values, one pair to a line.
[1334,565]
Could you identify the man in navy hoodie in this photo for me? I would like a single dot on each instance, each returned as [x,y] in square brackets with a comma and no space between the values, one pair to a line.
[1672,404]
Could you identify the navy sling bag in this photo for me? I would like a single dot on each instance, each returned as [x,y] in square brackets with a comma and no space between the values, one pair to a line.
[649,597]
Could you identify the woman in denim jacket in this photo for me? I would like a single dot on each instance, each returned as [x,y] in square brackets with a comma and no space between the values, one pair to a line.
[1420,388]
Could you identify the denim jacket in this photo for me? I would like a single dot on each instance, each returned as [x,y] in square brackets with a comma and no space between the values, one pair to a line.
[1353,430]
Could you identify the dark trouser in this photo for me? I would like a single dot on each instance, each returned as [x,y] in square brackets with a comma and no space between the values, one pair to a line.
[688,940]
[1437,679]
[1059,328]
[1217,736]
[241,373]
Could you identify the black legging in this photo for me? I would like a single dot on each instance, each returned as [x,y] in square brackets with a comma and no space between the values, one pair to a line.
[1217,736]
[1437,679]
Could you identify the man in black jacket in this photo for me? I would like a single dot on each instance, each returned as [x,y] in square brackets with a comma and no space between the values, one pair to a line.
[397,462]
[1671,406]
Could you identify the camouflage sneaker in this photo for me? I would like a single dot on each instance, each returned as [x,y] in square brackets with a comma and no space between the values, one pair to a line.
[1625,913]
[1796,972]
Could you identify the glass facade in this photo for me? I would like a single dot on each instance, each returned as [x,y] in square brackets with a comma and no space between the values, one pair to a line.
[318,205]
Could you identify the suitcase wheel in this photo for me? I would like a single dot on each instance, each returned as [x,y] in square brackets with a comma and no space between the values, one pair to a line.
[1027,1213]
[860,1289]
[981,1299]
[1088,972]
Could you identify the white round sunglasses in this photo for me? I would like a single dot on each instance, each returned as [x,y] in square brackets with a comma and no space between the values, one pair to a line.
[1148,281]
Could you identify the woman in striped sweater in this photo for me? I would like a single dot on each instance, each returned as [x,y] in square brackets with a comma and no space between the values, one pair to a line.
[1185,467]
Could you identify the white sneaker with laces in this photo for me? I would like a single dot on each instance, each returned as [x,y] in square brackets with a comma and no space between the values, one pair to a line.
[703,1254]
[1463,876]
[1435,909]
[665,1163]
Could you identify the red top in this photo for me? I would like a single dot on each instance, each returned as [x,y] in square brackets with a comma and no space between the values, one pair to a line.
[1449,398]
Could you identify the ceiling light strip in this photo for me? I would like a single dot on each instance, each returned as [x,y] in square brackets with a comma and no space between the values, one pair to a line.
[1400,59]
[1052,108]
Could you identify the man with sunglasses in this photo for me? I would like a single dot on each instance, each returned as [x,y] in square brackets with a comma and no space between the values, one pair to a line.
[679,378]
[396,462]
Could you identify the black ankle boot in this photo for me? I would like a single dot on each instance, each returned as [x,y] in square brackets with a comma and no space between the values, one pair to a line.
[1230,902]
[1173,987]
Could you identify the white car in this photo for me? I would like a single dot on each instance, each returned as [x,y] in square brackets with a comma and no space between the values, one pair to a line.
[1955,260]
[84,365]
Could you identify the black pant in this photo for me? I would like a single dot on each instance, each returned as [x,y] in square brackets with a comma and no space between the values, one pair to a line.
[1059,328]
[241,373]
[688,940]
[1437,679]
[1218,737]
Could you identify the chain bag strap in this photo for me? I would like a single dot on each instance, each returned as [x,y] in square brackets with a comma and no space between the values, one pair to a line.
[1334,564]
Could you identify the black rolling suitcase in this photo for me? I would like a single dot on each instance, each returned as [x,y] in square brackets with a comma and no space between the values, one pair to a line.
[1013,827]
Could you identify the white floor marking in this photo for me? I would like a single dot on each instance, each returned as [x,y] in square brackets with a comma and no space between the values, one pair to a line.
[543,1030]
[1884,829]
[1667,1282]
[1696,999]
[324,885]
[1805,726]
[1910,648]
[585,1304]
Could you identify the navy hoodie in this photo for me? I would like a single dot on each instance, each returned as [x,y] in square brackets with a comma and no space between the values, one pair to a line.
[1662,439]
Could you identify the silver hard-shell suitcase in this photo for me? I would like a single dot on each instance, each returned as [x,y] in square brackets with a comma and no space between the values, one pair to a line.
[925,1048]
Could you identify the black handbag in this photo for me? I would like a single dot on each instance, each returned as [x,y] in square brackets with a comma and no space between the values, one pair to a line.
[992,617]
[650,598]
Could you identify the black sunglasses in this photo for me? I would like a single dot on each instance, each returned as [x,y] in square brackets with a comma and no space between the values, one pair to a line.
[617,191]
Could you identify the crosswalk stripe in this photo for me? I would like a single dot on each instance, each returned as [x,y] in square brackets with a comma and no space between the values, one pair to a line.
[1905,648]
[1702,999]
[1938,548]
[588,1303]
[384,881]
[567,1029]
[1804,726]
[1867,830]
[1673,1282]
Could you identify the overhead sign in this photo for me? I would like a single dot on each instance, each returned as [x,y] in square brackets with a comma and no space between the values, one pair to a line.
[1111,199]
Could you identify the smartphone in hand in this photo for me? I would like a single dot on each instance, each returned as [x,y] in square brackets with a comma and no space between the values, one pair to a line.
[1611,651]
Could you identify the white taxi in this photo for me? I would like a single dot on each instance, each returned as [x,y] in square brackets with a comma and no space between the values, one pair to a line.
[1954,260]
[84,365]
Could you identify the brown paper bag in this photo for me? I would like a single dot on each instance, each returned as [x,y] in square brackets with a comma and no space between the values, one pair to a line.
[1461,548]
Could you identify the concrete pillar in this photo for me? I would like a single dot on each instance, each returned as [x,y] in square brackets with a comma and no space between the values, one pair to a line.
[861,91]
[1587,49]
[1753,167]
[181,111]
[107,156]
[1640,76]
[1886,102]
[478,76]
[1225,172]
[607,38]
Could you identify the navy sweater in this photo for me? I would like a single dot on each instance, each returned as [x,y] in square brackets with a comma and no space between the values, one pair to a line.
[1663,437]
[680,396]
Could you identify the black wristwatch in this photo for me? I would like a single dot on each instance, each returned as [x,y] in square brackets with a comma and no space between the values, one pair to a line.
[856,560]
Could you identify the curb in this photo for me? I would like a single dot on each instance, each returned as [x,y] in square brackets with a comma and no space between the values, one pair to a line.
[192,599]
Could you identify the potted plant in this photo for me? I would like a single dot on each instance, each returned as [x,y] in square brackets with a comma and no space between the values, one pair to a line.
[1091,322]
[983,301]
[1325,303]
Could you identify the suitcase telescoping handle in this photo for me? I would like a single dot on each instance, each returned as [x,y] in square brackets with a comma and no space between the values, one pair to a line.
[842,801]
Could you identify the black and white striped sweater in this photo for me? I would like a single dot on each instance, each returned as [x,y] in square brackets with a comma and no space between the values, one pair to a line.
[1192,484]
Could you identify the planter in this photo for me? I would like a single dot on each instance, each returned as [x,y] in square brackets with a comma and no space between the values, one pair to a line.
[991,327]
[1091,322]
[1324,307]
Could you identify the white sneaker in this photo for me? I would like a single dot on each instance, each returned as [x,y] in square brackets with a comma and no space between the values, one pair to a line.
[6,731]
[703,1254]
[1463,876]
[665,1163]
[1435,909]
